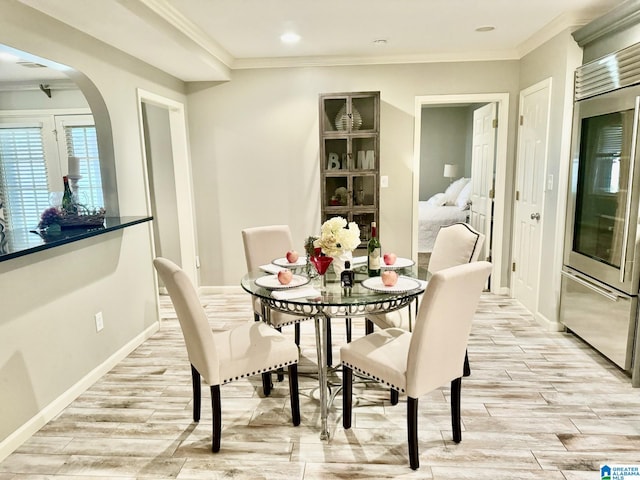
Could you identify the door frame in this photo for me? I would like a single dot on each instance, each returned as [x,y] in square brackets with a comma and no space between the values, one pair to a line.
[497,231]
[182,175]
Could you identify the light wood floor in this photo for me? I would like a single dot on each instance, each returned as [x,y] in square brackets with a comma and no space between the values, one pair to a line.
[538,405]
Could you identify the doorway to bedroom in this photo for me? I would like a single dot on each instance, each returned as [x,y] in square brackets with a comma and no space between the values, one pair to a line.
[459,171]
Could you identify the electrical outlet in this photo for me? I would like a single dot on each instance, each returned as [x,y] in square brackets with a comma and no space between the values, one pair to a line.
[99,321]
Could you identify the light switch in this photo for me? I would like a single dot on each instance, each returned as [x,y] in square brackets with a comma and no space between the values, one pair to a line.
[549,182]
[384,181]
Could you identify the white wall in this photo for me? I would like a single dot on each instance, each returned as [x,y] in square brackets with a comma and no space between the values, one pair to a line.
[557,58]
[255,148]
[48,341]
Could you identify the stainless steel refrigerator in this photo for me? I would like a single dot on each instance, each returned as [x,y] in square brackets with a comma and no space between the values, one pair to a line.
[601,271]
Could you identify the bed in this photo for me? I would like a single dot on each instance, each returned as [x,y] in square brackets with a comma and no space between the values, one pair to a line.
[442,209]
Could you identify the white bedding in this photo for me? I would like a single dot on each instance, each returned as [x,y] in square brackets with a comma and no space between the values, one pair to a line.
[431,218]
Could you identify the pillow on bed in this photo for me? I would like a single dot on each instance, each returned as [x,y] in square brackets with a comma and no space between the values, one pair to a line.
[465,196]
[437,200]
[453,190]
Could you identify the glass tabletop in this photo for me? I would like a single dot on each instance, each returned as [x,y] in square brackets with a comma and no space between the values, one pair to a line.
[331,293]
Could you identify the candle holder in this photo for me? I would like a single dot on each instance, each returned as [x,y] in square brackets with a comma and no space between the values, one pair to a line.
[73,184]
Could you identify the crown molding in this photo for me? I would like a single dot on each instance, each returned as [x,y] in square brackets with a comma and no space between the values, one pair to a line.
[338,61]
[175,20]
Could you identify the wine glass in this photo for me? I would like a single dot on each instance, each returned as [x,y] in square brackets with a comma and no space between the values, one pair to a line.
[321,263]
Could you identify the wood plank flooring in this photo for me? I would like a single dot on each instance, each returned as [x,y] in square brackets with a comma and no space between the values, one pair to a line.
[538,405]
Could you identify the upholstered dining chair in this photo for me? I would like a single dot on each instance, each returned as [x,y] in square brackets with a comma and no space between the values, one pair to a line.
[455,244]
[262,245]
[415,363]
[221,357]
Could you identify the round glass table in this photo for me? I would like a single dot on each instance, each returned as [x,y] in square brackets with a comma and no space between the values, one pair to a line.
[324,298]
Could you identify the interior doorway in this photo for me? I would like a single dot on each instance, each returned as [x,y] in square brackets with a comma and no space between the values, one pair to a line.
[495,233]
[168,174]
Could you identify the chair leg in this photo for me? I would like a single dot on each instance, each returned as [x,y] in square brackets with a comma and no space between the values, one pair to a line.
[279,372]
[347,386]
[347,322]
[266,383]
[466,369]
[197,395]
[297,333]
[394,396]
[412,431]
[456,389]
[293,394]
[217,418]
[329,349]
[368,326]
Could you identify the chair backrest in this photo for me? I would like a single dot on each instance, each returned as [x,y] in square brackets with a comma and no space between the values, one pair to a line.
[264,244]
[455,244]
[193,320]
[443,324]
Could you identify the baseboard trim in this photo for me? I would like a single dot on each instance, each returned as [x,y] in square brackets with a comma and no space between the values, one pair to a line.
[503,291]
[549,325]
[23,433]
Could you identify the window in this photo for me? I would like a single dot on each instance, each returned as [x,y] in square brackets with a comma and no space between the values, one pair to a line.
[24,187]
[34,152]
[80,141]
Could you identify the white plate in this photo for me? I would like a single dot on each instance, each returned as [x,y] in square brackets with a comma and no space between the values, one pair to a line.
[399,263]
[283,262]
[404,284]
[271,282]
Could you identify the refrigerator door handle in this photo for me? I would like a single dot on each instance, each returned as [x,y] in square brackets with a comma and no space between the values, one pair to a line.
[632,161]
[586,283]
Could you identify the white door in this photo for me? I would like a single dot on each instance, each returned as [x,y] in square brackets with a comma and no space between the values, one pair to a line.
[529,196]
[482,165]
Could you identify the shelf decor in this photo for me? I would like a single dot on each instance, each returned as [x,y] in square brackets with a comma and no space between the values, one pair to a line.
[54,216]
[350,158]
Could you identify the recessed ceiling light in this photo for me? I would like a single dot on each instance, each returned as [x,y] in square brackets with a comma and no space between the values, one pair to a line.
[485,28]
[290,37]
[380,41]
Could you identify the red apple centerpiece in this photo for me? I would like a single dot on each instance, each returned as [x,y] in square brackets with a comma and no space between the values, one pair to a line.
[389,258]
[389,278]
[292,256]
[285,276]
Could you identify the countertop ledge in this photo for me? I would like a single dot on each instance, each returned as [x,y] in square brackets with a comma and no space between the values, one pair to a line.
[23,242]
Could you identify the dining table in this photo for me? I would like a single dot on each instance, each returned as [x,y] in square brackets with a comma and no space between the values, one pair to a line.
[323,297]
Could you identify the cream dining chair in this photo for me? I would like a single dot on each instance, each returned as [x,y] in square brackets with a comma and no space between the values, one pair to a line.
[415,363]
[221,357]
[262,245]
[455,244]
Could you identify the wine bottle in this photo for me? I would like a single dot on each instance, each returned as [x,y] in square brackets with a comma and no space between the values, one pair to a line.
[68,204]
[374,249]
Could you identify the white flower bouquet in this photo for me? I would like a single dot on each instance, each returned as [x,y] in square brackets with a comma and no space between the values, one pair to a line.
[338,237]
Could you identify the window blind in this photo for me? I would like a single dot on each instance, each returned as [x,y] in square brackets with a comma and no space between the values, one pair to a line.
[24,186]
[82,143]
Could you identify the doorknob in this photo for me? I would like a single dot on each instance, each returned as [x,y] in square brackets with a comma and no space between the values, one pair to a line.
[535,216]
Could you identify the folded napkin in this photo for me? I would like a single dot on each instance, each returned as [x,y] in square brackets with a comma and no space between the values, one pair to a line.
[358,260]
[299,292]
[271,268]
